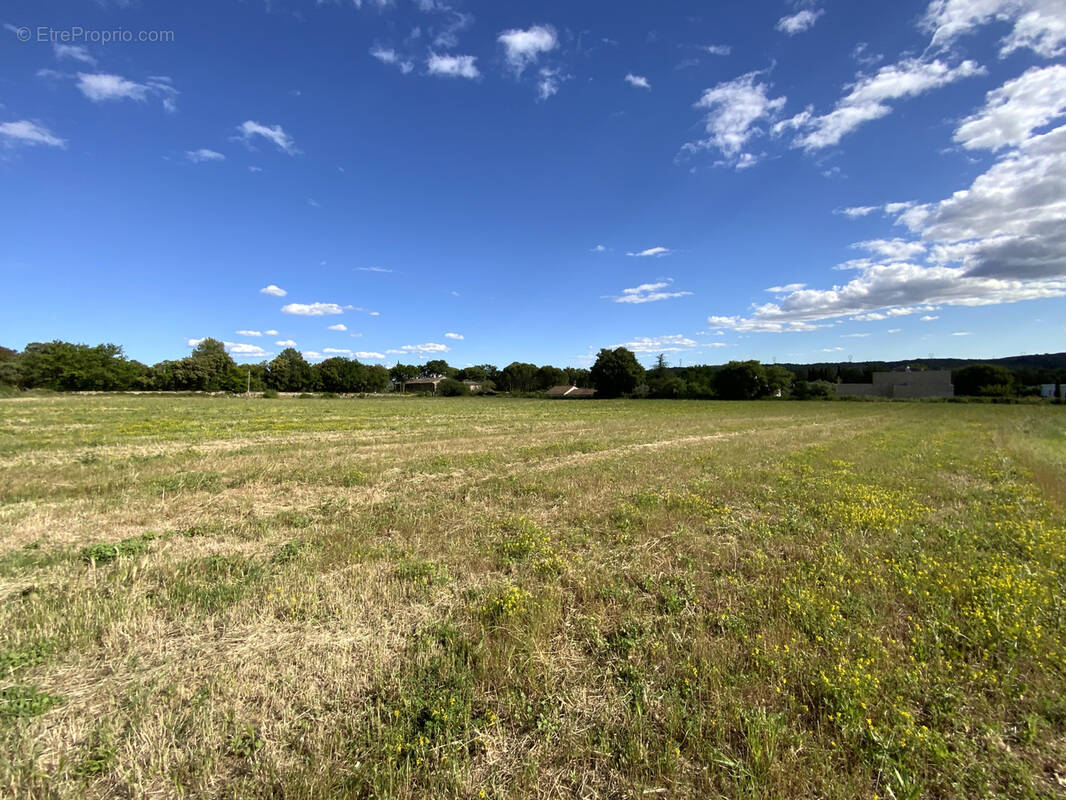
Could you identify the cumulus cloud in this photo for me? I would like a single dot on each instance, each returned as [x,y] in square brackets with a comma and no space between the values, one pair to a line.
[312,309]
[274,291]
[286,343]
[250,129]
[1013,111]
[800,21]
[369,355]
[421,349]
[24,132]
[74,52]
[639,81]
[649,293]
[891,250]
[549,79]
[203,154]
[270,333]
[523,47]
[103,87]
[454,336]
[340,326]
[734,109]
[453,66]
[787,288]
[858,211]
[644,345]
[718,49]
[868,97]
[1037,25]
[389,56]
[651,252]
[249,333]
[600,248]
[337,351]
[238,349]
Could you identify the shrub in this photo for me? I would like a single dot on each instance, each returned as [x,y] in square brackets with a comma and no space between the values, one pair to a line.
[449,387]
[270,394]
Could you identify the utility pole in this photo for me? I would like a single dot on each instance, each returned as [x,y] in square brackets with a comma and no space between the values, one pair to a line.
[248,391]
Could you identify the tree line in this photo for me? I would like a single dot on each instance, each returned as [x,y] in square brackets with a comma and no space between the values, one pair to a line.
[64,366]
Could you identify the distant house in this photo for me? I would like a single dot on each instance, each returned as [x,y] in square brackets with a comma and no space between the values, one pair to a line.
[429,384]
[570,392]
[1048,390]
[902,384]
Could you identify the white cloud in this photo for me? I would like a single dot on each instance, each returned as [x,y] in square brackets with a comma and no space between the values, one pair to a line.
[286,343]
[799,22]
[275,291]
[337,351]
[718,49]
[742,325]
[644,345]
[787,288]
[649,293]
[74,52]
[30,133]
[238,349]
[340,326]
[929,318]
[892,250]
[548,82]
[651,252]
[858,211]
[276,134]
[855,335]
[889,313]
[832,349]
[1013,111]
[1038,25]
[523,47]
[312,355]
[369,355]
[389,56]
[454,336]
[453,66]
[103,87]
[312,309]
[242,350]
[203,154]
[894,330]
[428,347]
[733,110]
[373,269]
[249,333]
[961,333]
[867,100]
[270,333]
[255,169]
[639,81]
[599,249]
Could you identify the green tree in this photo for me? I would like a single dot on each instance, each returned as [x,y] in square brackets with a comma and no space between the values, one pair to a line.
[68,367]
[340,375]
[813,390]
[518,377]
[983,380]
[435,367]
[450,387]
[402,373]
[778,380]
[10,369]
[549,376]
[290,372]
[616,372]
[741,380]
[214,369]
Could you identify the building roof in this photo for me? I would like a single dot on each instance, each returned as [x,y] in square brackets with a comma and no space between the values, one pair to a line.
[570,391]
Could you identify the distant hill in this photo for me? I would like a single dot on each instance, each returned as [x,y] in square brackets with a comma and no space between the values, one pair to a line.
[1029,369]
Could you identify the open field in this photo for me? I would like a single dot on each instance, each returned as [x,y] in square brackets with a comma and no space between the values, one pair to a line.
[211,597]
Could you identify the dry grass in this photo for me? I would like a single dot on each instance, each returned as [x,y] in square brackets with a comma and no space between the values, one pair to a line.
[492,598]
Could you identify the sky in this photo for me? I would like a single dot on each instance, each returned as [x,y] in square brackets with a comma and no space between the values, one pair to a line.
[402,180]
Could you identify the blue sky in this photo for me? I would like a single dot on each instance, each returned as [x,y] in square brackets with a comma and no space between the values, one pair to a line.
[488,182]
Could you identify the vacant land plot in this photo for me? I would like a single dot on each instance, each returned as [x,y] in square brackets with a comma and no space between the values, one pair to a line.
[490,598]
